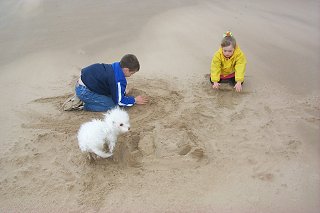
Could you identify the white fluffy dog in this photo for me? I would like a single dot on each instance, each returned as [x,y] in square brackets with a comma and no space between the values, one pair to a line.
[93,135]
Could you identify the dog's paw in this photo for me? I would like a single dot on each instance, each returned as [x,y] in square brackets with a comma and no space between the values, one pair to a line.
[111,148]
[109,154]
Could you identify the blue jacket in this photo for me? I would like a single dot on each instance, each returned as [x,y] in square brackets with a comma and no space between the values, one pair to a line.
[108,80]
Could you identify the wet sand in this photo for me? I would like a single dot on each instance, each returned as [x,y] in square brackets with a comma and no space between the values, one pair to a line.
[191,149]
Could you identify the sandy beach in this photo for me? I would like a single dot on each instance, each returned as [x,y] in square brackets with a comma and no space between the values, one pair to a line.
[191,148]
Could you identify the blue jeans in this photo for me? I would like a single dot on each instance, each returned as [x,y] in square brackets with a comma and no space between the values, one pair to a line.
[93,101]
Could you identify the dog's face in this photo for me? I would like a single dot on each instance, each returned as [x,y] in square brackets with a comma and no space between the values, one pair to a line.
[123,126]
[120,120]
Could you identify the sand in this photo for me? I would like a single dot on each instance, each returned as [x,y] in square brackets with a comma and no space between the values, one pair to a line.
[191,149]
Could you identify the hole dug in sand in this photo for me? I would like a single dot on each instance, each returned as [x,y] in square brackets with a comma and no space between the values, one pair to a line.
[126,152]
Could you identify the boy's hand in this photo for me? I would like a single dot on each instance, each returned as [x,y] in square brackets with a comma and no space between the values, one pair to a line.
[128,90]
[141,99]
[238,87]
[215,85]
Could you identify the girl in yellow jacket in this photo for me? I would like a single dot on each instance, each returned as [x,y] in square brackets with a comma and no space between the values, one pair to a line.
[228,64]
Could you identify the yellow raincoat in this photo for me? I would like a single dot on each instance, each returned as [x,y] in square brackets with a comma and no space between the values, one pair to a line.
[222,66]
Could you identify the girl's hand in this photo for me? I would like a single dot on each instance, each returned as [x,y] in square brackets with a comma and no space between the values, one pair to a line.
[141,99]
[238,87]
[215,85]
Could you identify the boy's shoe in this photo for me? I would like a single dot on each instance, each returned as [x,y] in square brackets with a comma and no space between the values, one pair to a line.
[72,103]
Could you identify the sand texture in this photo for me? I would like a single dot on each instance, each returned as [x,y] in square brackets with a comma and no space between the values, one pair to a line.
[190,149]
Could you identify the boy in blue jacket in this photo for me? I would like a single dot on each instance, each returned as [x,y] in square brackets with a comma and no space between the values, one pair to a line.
[103,86]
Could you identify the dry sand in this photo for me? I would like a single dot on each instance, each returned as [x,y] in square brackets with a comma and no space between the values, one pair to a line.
[191,149]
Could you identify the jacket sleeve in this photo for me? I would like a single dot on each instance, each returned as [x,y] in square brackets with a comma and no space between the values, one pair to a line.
[240,67]
[215,69]
[124,100]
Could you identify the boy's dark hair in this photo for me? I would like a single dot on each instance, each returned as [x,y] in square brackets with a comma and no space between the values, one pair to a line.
[131,62]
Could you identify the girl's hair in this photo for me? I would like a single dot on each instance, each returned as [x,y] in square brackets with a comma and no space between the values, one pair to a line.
[228,40]
[130,61]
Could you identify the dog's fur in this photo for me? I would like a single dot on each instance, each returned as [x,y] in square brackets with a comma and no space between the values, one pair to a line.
[93,135]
